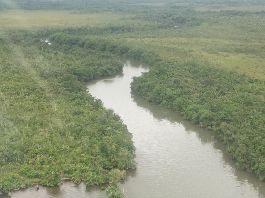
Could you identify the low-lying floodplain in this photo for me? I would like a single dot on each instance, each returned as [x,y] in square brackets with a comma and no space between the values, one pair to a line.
[206,62]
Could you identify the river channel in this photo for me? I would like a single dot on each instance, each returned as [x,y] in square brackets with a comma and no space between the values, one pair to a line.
[174,158]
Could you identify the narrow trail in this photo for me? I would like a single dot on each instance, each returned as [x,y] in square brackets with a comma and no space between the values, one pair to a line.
[33,66]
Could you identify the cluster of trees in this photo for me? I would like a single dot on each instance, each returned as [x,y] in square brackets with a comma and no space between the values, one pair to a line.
[227,103]
[171,17]
[230,105]
[103,45]
[50,127]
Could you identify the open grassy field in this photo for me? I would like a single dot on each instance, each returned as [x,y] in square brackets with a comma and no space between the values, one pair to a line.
[232,41]
[52,18]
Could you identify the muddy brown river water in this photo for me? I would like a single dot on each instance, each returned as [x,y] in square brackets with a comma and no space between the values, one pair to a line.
[174,159]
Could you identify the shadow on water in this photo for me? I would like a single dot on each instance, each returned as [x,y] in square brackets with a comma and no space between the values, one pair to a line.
[206,137]
[66,190]
[3,196]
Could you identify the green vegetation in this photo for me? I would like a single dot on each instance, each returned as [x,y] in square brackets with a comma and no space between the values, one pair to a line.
[50,127]
[206,62]
[229,104]
[39,18]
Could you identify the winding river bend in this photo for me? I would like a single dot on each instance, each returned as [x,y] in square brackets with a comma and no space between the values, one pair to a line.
[174,159]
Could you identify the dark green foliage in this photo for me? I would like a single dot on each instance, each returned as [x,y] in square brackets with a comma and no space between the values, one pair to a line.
[229,104]
[104,45]
[49,126]
[172,17]
[114,191]
[11,182]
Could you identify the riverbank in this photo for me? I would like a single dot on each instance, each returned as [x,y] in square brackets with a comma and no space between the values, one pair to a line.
[50,127]
[163,141]
[227,103]
[199,166]
[206,62]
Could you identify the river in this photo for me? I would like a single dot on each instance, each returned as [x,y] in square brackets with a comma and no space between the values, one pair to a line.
[174,158]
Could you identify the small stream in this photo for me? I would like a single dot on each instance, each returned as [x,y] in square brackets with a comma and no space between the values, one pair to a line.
[174,158]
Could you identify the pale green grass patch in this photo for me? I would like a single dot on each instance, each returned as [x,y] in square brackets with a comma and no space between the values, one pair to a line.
[39,18]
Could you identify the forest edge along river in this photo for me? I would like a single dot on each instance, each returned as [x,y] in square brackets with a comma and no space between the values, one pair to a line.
[174,158]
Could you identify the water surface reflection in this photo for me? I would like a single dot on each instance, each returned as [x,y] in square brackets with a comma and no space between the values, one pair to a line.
[174,158]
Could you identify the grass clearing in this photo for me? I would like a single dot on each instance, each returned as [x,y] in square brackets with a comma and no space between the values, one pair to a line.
[51,18]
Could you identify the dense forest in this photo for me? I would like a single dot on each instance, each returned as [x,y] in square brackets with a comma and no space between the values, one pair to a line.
[227,103]
[230,105]
[50,127]
[206,62]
